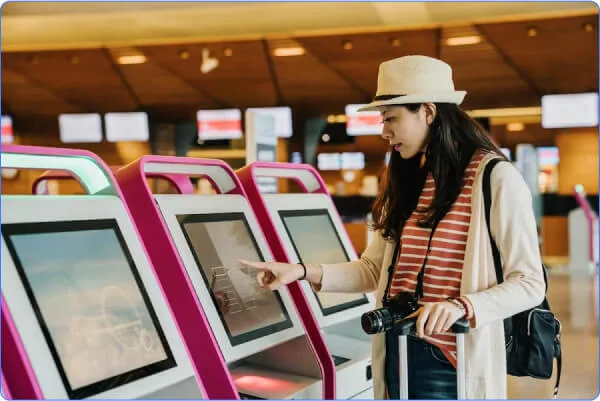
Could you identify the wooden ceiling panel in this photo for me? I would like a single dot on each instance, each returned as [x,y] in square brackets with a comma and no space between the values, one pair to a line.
[90,82]
[561,58]
[153,85]
[241,80]
[305,80]
[24,99]
[360,64]
[480,70]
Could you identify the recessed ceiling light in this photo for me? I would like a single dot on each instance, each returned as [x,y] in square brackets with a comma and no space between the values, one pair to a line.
[289,51]
[463,40]
[532,31]
[588,27]
[325,137]
[347,45]
[184,54]
[132,59]
[514,127]
[395,42]
[74,60]
[228,52]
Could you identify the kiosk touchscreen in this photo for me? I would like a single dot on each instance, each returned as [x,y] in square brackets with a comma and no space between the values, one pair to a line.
[85,302]
[312,232]
[258,330]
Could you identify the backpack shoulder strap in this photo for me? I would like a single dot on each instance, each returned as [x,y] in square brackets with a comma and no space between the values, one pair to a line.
[487,201]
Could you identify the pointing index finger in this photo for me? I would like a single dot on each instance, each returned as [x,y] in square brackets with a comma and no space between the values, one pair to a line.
[256,265]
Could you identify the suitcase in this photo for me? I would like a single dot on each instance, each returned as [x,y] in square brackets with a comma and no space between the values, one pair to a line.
[406,327]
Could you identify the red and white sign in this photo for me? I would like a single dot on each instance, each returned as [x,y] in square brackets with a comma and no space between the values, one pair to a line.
[362,122]
[7,130]
[219,124]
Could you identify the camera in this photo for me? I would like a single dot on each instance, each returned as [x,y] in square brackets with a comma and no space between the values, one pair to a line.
[393,310]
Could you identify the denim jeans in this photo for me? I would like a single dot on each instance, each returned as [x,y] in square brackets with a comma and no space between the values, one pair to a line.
[430,375]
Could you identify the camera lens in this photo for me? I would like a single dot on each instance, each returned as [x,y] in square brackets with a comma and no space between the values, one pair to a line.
[376,321]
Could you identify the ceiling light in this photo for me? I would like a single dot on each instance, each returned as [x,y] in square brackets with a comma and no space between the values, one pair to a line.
[325,137]
[34,60]
[515,127]
[588,27]
[506,112]
[131,59]
[184,54]
[228,52]
[395,42]
[463,40]
[532,31]
[347,45]
[289,51]
[74,60]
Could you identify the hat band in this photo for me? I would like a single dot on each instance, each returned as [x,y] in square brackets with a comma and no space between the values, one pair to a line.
[385,97]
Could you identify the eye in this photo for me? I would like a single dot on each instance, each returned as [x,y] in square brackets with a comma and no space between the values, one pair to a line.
[388,119]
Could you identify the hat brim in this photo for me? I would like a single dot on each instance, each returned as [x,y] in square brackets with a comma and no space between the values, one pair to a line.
[455,97]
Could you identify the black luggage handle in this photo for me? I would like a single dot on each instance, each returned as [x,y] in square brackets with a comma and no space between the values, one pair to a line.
[407,326]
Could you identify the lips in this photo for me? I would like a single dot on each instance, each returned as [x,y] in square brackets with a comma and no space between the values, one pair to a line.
[397,147]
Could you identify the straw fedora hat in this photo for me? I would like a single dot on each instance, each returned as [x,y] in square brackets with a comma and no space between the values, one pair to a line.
[414,79]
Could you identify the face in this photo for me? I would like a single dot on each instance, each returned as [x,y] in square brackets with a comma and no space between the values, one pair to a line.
[405,130]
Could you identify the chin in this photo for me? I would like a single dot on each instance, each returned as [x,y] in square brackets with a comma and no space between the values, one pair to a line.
[407,154]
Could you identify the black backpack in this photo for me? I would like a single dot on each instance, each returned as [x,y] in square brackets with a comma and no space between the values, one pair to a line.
[532,336]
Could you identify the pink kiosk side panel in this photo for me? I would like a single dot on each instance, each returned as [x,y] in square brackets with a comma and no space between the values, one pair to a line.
[195,328]
[5,390]
[248,179]
[22,379]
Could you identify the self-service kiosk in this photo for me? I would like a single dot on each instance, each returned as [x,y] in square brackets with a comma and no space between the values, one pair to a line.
[83,315]
[260,333]
[306,228]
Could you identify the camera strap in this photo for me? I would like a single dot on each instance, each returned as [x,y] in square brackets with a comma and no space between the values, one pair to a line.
[421,275]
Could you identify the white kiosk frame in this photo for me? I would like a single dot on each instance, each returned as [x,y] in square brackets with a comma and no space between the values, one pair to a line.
[343,334]
[176,382]
[255,358]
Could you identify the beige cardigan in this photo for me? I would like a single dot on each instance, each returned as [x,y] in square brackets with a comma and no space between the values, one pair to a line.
[514,230]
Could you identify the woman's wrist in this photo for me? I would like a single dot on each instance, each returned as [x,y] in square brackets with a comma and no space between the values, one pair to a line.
[311,273]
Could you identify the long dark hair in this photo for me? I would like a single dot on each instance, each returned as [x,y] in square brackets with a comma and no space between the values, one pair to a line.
[453,139]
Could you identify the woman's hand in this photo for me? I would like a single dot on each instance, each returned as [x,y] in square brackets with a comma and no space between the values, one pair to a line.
[273,275]
[436,317]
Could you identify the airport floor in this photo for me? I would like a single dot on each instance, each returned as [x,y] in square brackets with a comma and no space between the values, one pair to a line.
[579,345]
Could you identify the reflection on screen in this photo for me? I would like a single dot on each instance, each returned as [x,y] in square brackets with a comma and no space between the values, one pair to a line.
[90,302]
[314,237]
[247,310]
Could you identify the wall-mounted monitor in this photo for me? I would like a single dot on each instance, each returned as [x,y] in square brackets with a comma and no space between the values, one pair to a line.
[283,119]
[362,122]
[570,110]
[80,128]
[329,161]
[211,237]
[90,314]
[312,232]
[352,160]
[121,127]
[219,124]
[7,129]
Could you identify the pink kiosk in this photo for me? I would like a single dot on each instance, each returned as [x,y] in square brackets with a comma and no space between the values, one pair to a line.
[83,315]
[307,228]
[270,340]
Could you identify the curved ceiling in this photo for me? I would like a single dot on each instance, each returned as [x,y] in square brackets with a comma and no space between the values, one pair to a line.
[69,25]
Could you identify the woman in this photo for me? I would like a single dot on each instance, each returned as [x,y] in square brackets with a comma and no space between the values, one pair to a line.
[432,202]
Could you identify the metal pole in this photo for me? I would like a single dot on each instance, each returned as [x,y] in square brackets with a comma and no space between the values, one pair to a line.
[460,366]
[403,351]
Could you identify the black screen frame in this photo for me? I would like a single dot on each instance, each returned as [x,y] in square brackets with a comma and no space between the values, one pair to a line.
[239,339]
[321,212]
[13,229]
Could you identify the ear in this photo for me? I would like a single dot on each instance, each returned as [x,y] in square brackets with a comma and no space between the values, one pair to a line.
[430,112]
